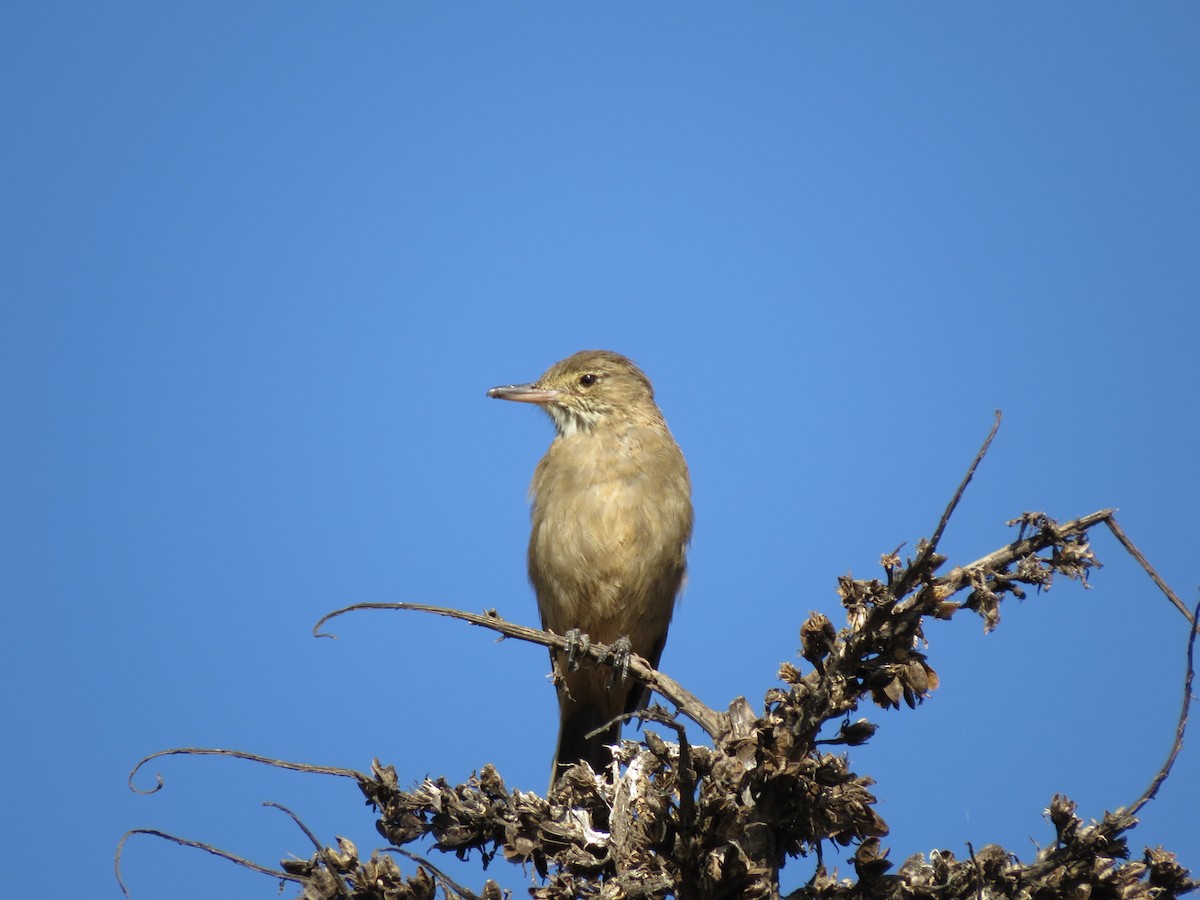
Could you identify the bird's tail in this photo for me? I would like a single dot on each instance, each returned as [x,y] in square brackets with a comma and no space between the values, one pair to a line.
[575,746]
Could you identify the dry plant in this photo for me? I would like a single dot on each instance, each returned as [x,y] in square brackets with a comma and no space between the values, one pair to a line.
[675,819]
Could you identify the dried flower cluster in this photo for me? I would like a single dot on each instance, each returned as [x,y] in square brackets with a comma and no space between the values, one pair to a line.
[673,819]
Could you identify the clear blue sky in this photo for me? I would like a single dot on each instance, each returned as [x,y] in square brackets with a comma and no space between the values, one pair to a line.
[260,263]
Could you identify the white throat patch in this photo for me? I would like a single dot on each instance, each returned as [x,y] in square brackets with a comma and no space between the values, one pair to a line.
[572,421]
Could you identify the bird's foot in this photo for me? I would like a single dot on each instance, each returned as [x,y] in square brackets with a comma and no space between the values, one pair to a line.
[577,647]
[621,649]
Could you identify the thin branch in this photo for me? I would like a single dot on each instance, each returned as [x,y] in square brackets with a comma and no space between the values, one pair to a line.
[238,754]
[312,838]
[962,487]
[922,560]
[687,702]
[442,876]
[1180,728]
[207,848]
[686,779]
[1014,551]
[1150,570]
[998,560]
[685,783]
[981,880]
[324,852]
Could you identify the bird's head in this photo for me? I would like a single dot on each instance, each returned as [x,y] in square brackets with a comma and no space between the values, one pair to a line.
[589,390]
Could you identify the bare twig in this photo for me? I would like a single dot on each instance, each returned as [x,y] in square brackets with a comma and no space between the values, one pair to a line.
[930,548]
[331,863]
[1024,547]
[685,783]
[997,560]
[962,487]
[687,702]
[1121,536]
[207,848]
[295,818]
[978,871]
[422,861]
[686,778]
[1180,728]
[238,754]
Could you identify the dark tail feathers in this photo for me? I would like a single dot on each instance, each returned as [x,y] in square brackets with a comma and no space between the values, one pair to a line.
[574,746]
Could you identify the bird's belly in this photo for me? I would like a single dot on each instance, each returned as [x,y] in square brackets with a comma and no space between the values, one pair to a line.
[605,558]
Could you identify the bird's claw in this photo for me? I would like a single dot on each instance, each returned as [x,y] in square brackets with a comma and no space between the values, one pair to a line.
[619,653]
[577,647]
[621,649]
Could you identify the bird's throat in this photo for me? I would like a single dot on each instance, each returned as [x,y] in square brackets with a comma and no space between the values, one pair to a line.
[569,421]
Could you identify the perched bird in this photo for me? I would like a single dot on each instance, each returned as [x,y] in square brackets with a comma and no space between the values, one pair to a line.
[612,516]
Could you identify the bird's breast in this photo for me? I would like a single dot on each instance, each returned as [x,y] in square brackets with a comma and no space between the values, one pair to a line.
[611,518]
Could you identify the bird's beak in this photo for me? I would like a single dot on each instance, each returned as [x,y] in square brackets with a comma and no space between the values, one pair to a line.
[524,393]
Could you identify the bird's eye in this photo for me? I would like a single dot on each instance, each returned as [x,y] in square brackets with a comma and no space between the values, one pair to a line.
[587,380]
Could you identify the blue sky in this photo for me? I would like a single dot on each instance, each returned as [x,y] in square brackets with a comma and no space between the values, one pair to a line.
[261,263]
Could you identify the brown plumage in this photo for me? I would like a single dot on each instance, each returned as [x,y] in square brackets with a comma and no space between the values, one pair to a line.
[612,516]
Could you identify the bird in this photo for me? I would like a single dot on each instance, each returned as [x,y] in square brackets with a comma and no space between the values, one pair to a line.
[611,520]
